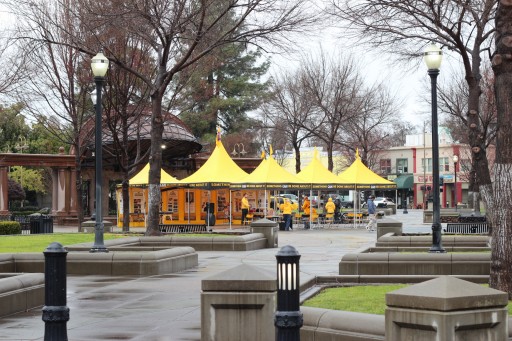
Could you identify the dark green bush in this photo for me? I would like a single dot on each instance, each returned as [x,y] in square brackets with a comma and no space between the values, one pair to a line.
[26,209]
[10,227]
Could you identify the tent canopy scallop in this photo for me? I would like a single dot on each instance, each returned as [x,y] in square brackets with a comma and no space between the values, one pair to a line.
[318,176]
[219,171]
[270,175]
[361,177]
[142,178]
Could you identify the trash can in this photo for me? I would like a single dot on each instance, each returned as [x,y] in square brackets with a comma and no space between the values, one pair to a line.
[281,225]
[41,224]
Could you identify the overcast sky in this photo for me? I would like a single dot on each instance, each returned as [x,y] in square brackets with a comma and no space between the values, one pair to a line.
[411,82]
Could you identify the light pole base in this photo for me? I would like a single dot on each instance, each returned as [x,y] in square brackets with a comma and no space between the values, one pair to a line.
[98,249]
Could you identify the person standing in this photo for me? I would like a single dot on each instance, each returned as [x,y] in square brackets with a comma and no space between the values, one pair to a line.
[245,208]
[286,208]
[330,208]
[371,214]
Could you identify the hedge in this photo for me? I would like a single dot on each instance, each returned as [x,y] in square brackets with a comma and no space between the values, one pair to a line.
[10,227]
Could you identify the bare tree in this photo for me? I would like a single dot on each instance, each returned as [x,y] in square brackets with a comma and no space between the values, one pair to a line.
[286,112]
[499,210]
[57,96]
[179,32]
[370,131]
[404,27]
[334,88]
[13,66]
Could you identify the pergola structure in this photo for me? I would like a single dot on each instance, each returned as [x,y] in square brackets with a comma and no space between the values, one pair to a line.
[64,195]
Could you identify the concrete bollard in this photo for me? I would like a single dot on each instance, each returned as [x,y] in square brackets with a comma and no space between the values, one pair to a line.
[387,225]
[238,304]
[446,309]
[269,229]
[55,310]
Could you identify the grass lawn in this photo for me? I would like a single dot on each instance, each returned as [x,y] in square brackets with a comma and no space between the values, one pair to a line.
[39,242]
[368,299]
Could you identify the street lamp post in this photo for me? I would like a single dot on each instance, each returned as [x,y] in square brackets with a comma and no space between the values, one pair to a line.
[433,57]
[99,66]
[455,160]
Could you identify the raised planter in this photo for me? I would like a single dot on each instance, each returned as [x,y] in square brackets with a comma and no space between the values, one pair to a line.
[246,242]
[20,292]
[414,264]
[146,263]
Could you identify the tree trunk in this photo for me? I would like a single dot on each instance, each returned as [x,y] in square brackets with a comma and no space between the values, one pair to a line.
[296,148]
[330,163]
[126,203]
[499,210]
[155,165]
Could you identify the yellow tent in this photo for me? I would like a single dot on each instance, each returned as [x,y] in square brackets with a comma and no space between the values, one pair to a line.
[217,172]
[319,177]
[270,175]
[359,176]
[142,178]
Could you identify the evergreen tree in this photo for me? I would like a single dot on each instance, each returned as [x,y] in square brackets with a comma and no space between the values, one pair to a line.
[222,90]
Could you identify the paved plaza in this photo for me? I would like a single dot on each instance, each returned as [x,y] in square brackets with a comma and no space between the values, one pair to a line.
[167,307]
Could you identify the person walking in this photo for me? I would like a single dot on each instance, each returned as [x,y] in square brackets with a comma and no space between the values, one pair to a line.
[245,208]
[286,208]
[371,214]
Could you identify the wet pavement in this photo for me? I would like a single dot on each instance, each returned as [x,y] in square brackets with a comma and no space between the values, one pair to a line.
[167,307]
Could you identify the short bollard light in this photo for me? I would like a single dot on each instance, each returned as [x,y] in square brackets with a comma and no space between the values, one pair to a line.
[55,310]
[288,318]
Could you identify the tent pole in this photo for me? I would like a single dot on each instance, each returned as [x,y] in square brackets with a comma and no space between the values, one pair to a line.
[188,204]
[230,210]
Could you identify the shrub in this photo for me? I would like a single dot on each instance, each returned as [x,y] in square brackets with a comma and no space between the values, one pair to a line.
[10,227]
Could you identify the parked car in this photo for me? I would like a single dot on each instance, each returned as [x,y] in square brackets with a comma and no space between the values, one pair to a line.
[380,202]
[292,197]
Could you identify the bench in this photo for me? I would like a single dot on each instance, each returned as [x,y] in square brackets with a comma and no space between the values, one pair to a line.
[466,228]
[182,228]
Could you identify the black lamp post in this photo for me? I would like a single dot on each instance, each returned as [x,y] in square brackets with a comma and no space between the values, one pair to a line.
[404,201]
[99,66]
[433,57]
[455,160]
[288,318]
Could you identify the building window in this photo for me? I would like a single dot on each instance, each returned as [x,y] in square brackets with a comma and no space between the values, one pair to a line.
[444,164]
[385,166]
[426,165]
[402,166]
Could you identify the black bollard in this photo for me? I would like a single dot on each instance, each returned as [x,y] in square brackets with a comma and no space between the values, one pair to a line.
[55,310]
[288,318]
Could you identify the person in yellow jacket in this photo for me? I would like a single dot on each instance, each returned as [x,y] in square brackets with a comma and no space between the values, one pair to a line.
[287,207]
[330,208]
[245,207]
[306,206]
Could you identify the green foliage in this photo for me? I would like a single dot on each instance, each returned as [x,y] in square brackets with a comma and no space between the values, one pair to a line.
[368,299]
[10,227]
[362,299]
[39,242]
[42,140]
[223,89]
[31,179]
[12,126]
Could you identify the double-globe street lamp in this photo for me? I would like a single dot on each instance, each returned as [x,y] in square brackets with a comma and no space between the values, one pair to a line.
[99,66]
[455,160]
[433,57]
